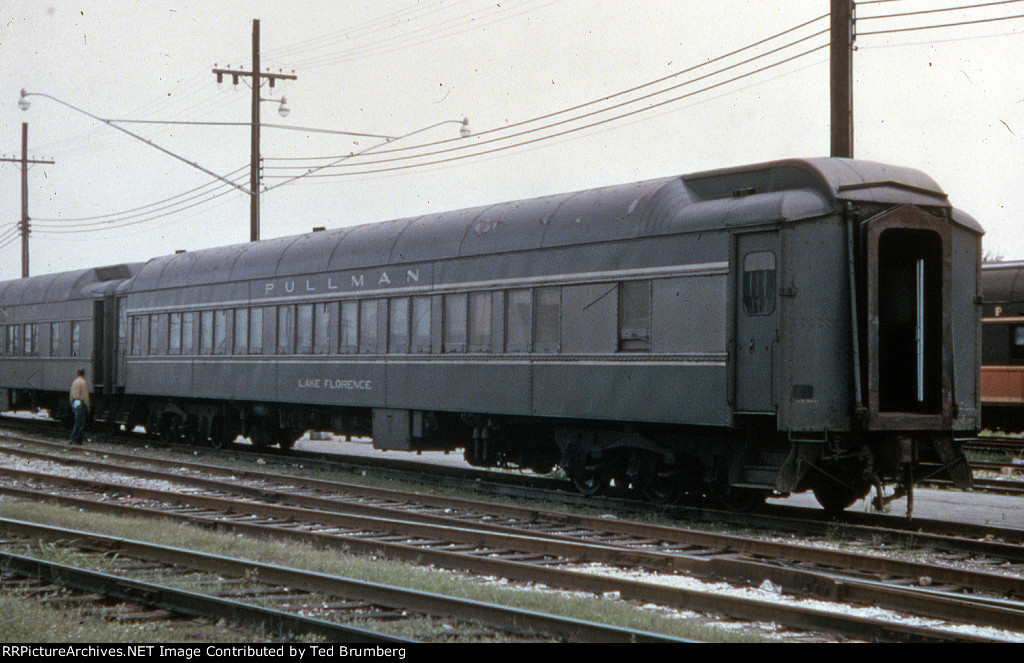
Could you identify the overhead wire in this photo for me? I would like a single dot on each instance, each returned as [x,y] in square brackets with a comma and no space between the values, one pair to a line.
[477,142]
[561,133]
[160,209]
[121,224]
[936,27]
[966,9]
[242,175]
[481,18]
[373,26]
[379,155]
[642,86]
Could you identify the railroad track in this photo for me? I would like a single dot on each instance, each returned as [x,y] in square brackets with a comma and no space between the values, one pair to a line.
[490,531]
[295,592]
[172,602]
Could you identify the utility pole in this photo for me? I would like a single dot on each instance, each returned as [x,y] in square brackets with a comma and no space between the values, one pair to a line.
[24,161]
[841,80]
[257,78]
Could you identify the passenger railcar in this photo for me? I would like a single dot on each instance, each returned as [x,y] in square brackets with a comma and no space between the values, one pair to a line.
[791,326]
[1002,371]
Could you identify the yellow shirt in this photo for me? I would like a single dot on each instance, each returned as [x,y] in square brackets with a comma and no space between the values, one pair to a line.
[80,391]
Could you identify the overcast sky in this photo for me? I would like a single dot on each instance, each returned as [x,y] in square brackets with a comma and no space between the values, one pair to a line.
[947,101]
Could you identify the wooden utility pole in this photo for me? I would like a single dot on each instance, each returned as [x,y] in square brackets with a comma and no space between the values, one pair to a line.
[24,161]
[841,79]
[254,164]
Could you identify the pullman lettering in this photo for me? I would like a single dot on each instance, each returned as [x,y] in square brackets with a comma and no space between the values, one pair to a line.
[340,283]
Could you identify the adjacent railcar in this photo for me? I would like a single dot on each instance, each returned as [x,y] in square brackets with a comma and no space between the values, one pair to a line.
[1002,371]
[791,326]
[53,325]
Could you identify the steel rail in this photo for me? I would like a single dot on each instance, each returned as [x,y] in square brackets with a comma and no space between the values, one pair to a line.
[186,602]
[738,607]
[642,532]
[498,616]
[719,556]
[943,535]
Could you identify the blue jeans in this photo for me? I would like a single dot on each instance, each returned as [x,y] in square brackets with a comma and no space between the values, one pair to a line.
[79,426]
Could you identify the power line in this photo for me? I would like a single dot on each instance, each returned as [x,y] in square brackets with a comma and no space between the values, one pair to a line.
[563,132]
[610,97]
[141,210]
[121,223]
[937,11]
[936,27]
[581,117]
[491,15]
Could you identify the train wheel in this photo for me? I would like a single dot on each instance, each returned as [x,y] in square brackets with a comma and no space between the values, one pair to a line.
[191,435]
[835,497]
[171,429]
[660,483]
[590,478]
[259,437]
[287,438]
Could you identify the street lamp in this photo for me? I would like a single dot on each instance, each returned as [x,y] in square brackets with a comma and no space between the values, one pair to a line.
[23,104]
[253,191]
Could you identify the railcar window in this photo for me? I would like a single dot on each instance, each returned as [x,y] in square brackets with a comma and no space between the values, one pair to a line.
[54,339]
[368,326]
[30,338]
[174,334]
[547,333]
[285,328]
[154,335]
[322,314]
[518,320]
[348,328]
[398,325]
[635,316]
[122,326]
[241,333]
[420,324]
[480,322]
[220,332]
[206,332]
[1017,344]
[3,340]
[76,339]
[759,283]
[256,331]
[136,335]
[455,323]
[15,340]
[304,329]
[188,325]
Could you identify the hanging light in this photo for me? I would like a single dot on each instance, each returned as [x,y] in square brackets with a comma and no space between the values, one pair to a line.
[283,109]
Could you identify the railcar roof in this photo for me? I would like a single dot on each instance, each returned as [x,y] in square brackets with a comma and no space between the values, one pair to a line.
[1003,282]
[766,193]
[65,286]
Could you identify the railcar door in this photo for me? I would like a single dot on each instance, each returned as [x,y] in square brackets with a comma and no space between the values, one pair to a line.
[757,321]
[910,352]
[103,355]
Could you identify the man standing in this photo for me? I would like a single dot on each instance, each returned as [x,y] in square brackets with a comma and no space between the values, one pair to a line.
[79,405]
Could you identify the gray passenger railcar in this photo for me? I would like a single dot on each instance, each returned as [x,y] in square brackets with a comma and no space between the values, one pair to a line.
[50,327]
[797,325]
